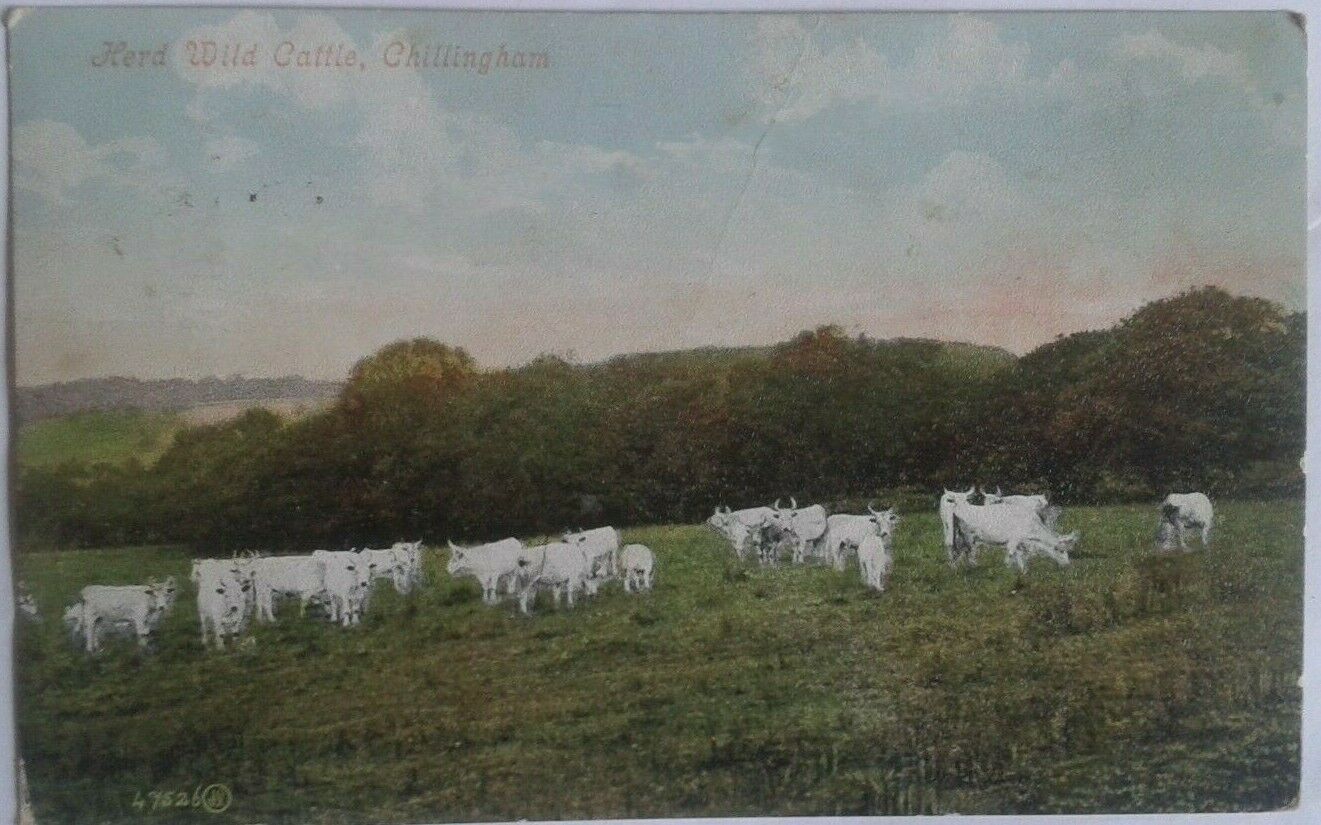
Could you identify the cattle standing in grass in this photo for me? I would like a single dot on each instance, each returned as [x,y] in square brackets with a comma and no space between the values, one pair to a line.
[1189,511]
[600,545]
[638,564]
[27,606]
[491,564]
[223,601]
[299,577]
[347,579]
[562,568]
[948,501]
[104,606]
[735,525]
[875,560]
[806,526]
[844,533]
[1019,530]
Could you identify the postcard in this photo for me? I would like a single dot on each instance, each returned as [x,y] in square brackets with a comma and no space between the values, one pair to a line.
[458,416]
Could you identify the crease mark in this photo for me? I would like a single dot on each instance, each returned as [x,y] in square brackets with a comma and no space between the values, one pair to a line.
[756,147]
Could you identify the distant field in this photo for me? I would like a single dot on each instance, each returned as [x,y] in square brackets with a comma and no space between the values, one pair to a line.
[115,436]
[112,437]
[1123,683]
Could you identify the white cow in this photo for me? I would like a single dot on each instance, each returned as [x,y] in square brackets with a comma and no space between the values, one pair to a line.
[27,606]
[735,525]
[300,577]
[600,545]
[138,605]
[1189,511]
[948,501]
[806,527]
[875,560]
[491,564]
[638,564]
[410,552]
[562,568]
[223,600]
[1017,529]
[73,622]
[392,564]
[844,533]
[348,577]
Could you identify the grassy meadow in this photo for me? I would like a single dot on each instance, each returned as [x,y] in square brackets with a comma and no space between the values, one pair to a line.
[1125,682]
[112,437]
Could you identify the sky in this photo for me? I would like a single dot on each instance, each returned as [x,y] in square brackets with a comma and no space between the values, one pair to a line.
[667,181]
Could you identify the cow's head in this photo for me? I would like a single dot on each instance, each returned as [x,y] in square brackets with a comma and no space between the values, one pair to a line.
[1059,551]
[458,560]
[886,520]
[782,517]
[952,498]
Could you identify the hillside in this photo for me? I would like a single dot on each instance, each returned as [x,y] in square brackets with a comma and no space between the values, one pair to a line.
[44,401]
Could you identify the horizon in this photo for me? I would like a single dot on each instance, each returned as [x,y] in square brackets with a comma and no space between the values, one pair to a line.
[998,178]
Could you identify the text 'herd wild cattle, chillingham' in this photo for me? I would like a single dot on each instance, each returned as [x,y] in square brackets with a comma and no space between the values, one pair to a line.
[232,592]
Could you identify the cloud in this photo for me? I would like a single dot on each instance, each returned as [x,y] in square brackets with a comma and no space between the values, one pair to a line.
[1193,62]
[52,159]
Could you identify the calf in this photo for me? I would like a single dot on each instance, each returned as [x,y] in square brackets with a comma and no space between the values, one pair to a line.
[105,605]
[875,560]
[300,577]
[347,579]
[491,564]
[1189,511]
[559,567]
[639,564]
[600,546]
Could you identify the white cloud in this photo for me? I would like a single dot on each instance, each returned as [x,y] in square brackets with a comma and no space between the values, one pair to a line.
[1194,62]
[52,159]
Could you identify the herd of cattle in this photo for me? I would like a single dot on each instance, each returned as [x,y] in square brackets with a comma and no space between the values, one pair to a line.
[231,592]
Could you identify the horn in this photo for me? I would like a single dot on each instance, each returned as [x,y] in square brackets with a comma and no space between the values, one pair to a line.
[997,490]
[970,491]
[451,544]
[776,505]
[870,510]
[793,502]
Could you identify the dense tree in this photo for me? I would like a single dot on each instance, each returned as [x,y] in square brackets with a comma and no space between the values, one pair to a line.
[1203,390]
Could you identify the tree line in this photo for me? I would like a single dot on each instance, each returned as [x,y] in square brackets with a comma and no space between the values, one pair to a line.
[1203,390]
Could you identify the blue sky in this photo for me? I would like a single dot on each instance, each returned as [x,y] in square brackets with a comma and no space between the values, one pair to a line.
[670,181]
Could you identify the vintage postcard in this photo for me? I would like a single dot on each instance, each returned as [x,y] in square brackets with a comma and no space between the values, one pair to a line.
[426,416]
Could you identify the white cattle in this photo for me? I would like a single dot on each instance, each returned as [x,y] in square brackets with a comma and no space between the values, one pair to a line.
[392,564]
[844,533]
[27,606]
[562,568]
[806,526]
[948,501]
[1189,511]
[875,560]
[298,577]
[638,564]
[223,599]
[1017,529]
[735,525]
[1036,503]
[490,564]
[600,545]
[411,554]
[348,577]
[140,606]
[73,622]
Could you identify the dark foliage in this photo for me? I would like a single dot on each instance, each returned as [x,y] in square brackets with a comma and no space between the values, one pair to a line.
[1204,390]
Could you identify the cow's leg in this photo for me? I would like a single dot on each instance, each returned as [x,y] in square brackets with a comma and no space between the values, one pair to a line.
[1206,536]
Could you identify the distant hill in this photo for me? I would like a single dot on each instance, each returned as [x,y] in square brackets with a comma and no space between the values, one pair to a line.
[167,395]
[976,359]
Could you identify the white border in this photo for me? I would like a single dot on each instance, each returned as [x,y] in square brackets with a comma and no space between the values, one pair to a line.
[1309,809]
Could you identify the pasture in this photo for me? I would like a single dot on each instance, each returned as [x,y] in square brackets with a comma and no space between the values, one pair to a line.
[112,437]
[1122,683]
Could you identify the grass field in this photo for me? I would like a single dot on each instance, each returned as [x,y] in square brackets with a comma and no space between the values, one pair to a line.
[112,437]
[1123,683]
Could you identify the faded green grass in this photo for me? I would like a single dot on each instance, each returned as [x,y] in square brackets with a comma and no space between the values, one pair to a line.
[1122,683]
[111,437]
